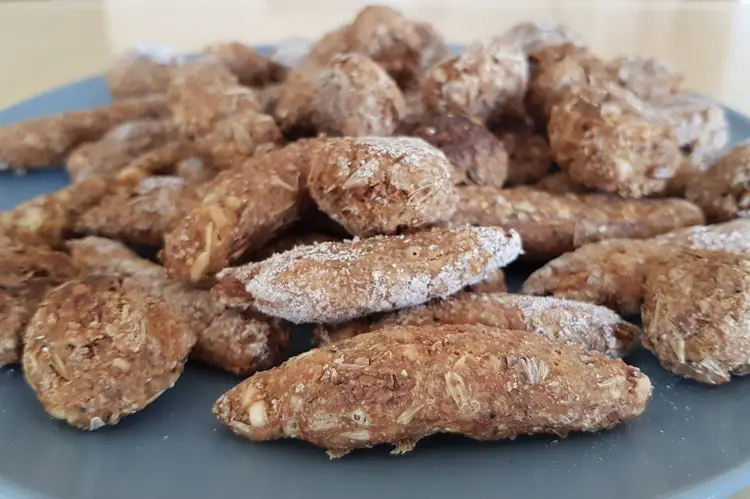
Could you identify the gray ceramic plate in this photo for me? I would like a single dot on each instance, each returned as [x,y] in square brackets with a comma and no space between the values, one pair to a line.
[692,441]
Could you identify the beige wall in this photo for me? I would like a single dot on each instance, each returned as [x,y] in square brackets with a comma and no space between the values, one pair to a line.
[64,40]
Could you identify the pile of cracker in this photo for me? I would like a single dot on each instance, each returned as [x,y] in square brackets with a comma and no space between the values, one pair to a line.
[375,186]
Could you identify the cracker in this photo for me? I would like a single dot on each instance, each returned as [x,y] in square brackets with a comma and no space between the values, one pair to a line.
[99,349]
[695,315]
[397,386]
[339,281]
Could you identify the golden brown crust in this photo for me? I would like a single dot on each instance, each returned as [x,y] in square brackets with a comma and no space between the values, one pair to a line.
[44,142]
[552,224]
[203,92]
[477,156]
[604,142]
[241,210]
[585,325]
[612,272]
[397,386]
[229,339]
[723,190]
[486,80]
[696,315]
[373,185]
[140,215]
[250,67]
[26,275]
[99,349]
[338,281]
[646,77]
[140,72]
[119,147]
[353,96]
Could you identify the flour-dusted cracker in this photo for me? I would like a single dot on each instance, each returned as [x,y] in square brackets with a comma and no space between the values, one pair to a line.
[585,325]
[338,281]
[397,386]
[732,237]
[99,349]
[288,241]
[375,185]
